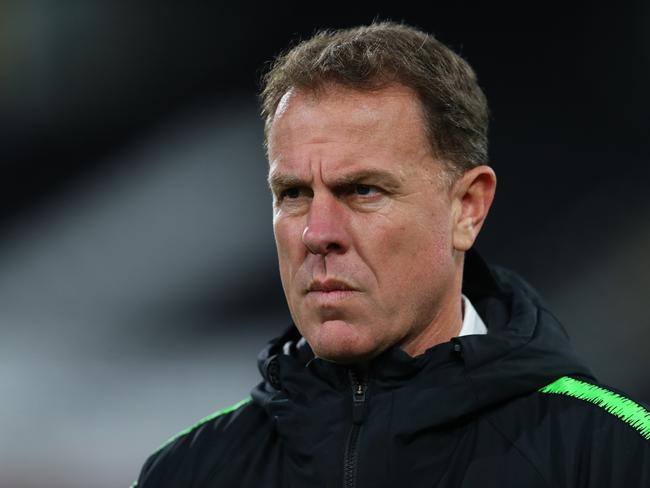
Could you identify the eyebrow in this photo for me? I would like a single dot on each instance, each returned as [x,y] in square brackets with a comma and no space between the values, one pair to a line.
[388,180]
[278,181]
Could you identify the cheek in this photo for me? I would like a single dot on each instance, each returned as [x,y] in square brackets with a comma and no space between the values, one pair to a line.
[413,251]
[413,236]
[282,245]
[288,241]
[287,233]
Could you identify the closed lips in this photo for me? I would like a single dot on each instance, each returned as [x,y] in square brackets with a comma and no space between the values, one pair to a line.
[329,285]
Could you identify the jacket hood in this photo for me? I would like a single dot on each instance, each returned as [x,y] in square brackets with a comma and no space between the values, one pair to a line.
[525,349]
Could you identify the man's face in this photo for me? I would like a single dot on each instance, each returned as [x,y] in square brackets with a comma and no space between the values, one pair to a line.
[362,219]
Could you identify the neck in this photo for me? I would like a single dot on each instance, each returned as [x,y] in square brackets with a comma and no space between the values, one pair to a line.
[446,323]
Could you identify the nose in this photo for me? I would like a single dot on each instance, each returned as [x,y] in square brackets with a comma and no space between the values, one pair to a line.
[325,231]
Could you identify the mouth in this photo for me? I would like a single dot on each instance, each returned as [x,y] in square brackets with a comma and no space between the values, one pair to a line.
[329,286]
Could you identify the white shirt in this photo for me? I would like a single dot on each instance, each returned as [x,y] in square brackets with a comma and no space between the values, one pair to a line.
[472,322]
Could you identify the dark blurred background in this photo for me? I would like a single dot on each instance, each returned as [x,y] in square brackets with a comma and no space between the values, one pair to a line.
[137,269]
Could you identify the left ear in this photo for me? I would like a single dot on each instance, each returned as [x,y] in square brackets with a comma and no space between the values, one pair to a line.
[472,196]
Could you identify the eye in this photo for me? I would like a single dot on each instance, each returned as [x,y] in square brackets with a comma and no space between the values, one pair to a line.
[293,194]
[365,190]
[290,193]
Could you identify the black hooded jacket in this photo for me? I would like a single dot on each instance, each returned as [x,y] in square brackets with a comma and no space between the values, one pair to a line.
[513,408]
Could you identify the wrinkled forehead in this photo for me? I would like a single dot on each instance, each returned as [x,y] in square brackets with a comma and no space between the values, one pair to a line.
[339,132]
[312,115]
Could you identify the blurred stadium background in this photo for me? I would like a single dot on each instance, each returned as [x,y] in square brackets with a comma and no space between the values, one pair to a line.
[137,269]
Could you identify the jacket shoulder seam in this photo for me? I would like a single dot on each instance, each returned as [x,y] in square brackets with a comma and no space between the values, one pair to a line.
[203,421]
[521,452]
[621,407]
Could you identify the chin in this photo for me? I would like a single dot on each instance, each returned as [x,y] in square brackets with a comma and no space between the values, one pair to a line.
[340,342]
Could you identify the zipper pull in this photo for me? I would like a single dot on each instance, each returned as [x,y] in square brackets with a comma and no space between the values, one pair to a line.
[359,408]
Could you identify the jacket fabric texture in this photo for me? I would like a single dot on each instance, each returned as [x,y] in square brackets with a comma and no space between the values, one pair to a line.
[513,408]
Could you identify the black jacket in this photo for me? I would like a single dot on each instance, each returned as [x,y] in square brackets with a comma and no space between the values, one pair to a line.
[514,408]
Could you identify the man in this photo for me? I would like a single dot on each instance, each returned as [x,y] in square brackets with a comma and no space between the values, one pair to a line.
[411,362]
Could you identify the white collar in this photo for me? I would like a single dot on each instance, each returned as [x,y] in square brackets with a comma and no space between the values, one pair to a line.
[472,322]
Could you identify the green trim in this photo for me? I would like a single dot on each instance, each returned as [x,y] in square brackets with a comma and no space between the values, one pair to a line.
[205,420]
[630,412]
[134,485]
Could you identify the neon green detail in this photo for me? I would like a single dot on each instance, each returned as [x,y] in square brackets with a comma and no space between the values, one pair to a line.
[204,420]
[625,409]
[134,485]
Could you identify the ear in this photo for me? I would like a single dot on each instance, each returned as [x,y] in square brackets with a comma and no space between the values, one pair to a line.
[472,197]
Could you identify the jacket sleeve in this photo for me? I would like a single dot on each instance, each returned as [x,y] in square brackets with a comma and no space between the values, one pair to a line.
[167,467]
[195,452]
[599,436]
[618,455]
[577,433]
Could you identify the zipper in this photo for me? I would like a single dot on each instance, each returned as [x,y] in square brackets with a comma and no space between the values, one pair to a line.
[359,388]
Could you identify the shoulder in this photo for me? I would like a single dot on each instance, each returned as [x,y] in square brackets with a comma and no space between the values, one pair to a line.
[608,406]
[195,453]
[574,429]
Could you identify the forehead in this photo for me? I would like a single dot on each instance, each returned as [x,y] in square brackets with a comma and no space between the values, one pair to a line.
[382,120]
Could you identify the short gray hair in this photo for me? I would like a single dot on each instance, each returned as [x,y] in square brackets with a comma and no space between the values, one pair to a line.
[370,57]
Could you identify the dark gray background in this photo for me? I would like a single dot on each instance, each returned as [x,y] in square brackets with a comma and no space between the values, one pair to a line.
[137,269]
